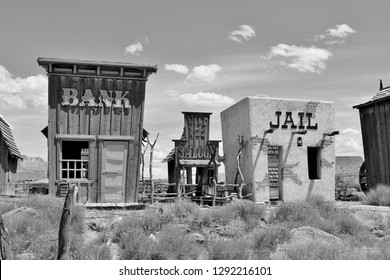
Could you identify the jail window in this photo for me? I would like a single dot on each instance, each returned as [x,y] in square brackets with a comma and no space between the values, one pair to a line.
[314,162]
[74,159]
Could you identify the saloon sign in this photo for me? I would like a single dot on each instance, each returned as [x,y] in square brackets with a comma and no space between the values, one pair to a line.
[108,98]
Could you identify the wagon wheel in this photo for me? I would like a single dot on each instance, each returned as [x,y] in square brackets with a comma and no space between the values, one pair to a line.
[363,177]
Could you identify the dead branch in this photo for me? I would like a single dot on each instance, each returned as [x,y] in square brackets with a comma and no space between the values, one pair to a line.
[151,164]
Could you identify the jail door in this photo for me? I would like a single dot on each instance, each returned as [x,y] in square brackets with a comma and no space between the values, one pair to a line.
[274,155]
[113,170]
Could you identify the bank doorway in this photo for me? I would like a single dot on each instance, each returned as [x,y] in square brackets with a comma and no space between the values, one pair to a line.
[113,163]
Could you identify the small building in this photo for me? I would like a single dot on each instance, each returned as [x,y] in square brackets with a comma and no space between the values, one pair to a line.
[290,151]
[95,127]
[9,156]
[194,159]
[375,126]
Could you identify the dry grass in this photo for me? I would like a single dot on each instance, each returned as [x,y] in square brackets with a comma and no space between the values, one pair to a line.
[379,196]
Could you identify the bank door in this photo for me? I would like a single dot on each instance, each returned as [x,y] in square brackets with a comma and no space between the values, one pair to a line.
[274,172]
[113,170]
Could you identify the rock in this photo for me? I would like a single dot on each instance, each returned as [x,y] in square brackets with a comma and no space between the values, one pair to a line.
[153,237]
[308,234]
[183,227]
[25,256]
[358,195]
[19,213]
[304,237]
[197,237]
[379,233]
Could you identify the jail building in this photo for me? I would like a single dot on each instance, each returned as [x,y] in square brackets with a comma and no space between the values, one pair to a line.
[194,158]
[290,150]
[95,127]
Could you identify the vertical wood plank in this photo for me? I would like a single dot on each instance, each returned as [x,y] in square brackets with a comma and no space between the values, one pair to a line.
[62,111]
[127,112]
[84,111]
[105,118]
[94,115]
[74,111]
[116,112]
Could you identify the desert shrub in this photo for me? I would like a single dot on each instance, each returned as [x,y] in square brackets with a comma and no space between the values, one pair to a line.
[183,211]
[379,196]
[229,249]
[135,245]
[175,244]
[6,207]
[325,208]
[344,188]
[248,211]
[348,224]
[38,234]
[266,240]
[295,212]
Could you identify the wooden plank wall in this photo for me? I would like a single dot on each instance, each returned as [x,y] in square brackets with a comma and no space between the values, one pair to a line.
[375,125]
[97,121]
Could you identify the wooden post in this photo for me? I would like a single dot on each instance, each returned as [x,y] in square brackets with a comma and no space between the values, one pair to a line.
[5,246]
[143,170]
[242,145]
[151,165]
[63,234]
[214,182]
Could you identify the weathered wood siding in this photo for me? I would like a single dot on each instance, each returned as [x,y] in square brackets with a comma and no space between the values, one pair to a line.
[375,125]
[99,120]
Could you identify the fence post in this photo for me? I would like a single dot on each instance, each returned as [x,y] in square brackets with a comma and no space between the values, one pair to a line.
[214,183]
[63,234]
[5,247]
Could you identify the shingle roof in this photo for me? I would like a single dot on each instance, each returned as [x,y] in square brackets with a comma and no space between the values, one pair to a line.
[384,94]
[5,131]
[348,164]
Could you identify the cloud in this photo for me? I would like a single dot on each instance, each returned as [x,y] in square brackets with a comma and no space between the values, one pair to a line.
[242,33]
[349,142]
[179,68]
[303,59]
[206,73]
[340,31]
[206,99]
[134,49]
[20,93]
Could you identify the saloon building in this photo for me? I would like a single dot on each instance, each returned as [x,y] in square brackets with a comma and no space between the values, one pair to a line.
[95,127]
[194,159]
[290,151]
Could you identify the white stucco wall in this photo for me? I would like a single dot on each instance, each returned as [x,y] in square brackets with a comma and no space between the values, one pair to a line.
[295,183]
[235,121]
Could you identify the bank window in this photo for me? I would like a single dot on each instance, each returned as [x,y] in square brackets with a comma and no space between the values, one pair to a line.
[314,162]
[74,159]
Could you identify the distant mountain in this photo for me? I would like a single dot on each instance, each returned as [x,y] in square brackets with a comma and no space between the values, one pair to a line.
[31,168]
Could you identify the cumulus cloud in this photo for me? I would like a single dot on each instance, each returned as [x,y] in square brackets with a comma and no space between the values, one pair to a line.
[340,31]
[179,68]
[20,93]
[349,143]
[206,73]
[206,99]
[242,33]
[300,58]
[134,49]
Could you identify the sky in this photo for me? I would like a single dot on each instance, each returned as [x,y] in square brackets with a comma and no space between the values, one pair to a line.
[209,54]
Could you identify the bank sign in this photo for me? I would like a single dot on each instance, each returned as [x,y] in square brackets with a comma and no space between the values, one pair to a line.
[107,98]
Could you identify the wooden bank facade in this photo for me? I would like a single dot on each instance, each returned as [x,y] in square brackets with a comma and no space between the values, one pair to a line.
[95,127]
